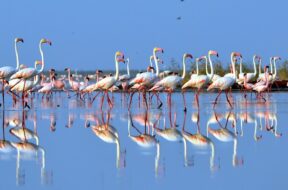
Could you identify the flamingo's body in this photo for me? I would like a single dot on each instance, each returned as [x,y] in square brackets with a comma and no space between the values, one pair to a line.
[224,83]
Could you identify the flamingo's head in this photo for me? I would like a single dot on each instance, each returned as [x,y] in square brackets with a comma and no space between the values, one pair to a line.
[234,54]
[266,68]
[277,58]
[45,41]
[257,57]
[19,40]
[156,49]
[66,69]
[37,62]
[202,57]
[187,55]
[119,59]
[119,54]
[213,52]
[99,71]
[52,70]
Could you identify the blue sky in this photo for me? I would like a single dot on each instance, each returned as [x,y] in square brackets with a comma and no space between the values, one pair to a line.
[86,34]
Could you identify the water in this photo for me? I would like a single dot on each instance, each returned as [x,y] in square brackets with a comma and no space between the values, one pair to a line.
[81,146]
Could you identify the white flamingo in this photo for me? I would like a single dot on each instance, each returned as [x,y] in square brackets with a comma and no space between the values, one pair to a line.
[212,76]
[225,83]
[7,71]
[170,83]
[198,81]
[249,76]
[261,87]
[106,83]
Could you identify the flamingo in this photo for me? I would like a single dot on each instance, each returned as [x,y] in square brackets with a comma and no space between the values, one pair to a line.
[24,134]
[260,87]
[261,76]
[58,83]
[104,132]
[106,83]
[247,86]
[28,73]
[225,135]
[73,84]
[225,83]
[28,148]
[124,79]
[199,140]
[7,71]
[147,79]
[170,83]
[145,140]
[249,76]
[212,76]
[198,81]
[47,89]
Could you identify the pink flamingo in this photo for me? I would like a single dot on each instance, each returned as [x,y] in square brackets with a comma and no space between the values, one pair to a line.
[6,72]
[247,86]
[249,76]
[170,83]
[225,83]
[73,84]
[261,87]
[106,83]
[147,79]
[199,81]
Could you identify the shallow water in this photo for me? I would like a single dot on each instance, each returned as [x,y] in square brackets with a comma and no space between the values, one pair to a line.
[82,146]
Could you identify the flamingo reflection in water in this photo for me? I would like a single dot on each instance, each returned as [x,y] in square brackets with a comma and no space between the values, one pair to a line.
[145,140]
[27,150]
[270,118]
[225,135]
[248,118]
[23,133]
[6,147]
[198,140]
[109,134]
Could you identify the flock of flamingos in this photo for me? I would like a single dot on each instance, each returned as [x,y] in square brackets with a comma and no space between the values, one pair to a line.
[21,82]
[25,80]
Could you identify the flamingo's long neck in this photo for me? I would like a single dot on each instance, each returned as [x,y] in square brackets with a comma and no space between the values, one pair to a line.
[254,64]
[211,67]
[197,68]
[151,63]
[233,65]
[156,63]
[69,77]
[259,66]
[42,58]
[184,67]
[17,57]
[36,80]
[128,69]
[271,65]
[275,69]
[241,66]
[117,68]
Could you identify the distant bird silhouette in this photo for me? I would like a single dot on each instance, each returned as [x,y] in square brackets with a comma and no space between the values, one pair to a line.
[179,18]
